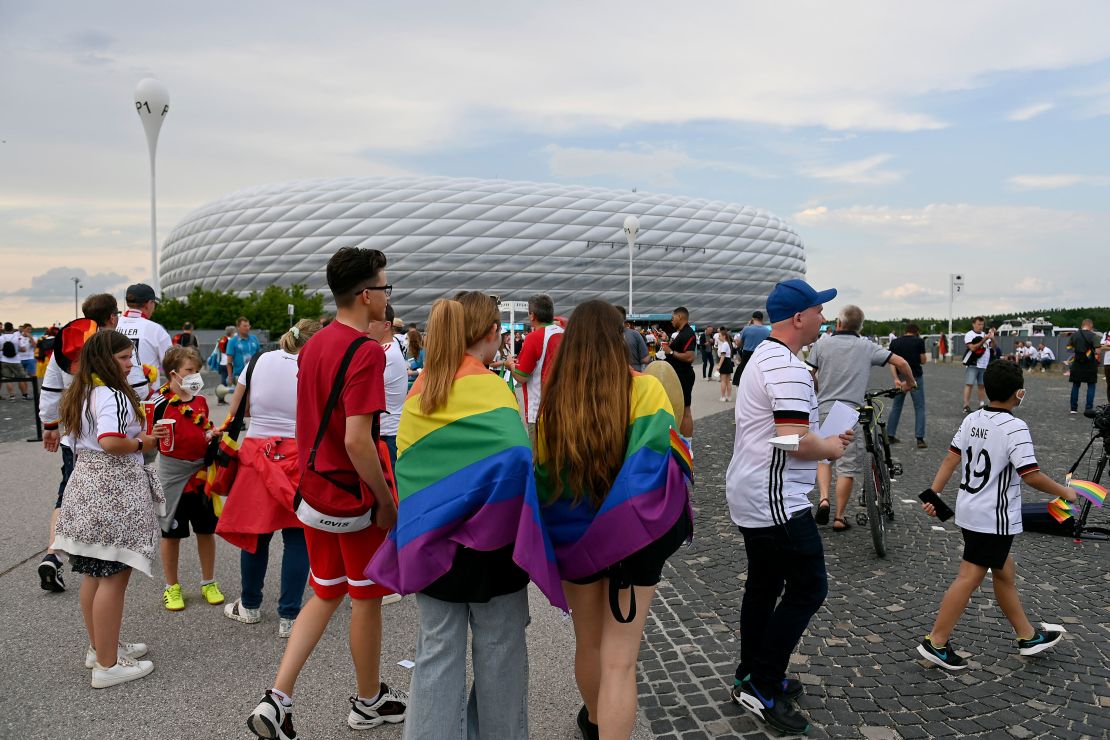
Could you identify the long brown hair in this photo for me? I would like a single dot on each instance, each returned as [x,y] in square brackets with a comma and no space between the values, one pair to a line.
[584,408]
[416,343]
[453,326]
[97,357]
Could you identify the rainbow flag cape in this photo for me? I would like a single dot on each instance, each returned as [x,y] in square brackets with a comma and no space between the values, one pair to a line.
[464,477]
[1093,492]
[649,495]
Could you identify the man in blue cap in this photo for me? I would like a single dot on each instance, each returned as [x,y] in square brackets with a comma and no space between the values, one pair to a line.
[767,487]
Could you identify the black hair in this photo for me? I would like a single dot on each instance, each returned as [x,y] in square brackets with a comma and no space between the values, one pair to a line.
[1002,379]
[390,314]
[542,307]
[350,269]
[624,312]
[757,315]
[681,311]
[8,326]
[912,328]
[188,326]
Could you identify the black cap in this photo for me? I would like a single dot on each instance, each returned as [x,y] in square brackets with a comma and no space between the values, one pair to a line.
[757,315]
[141,293]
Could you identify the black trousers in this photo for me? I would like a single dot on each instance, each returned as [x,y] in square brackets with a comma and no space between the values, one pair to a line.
[786,561]
[707,362]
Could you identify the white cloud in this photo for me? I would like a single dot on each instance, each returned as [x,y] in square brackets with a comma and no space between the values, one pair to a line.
[641,163]
[1030,111]
[912,293]
[1034,287]
[859,172]
[1056,182]
[56,285]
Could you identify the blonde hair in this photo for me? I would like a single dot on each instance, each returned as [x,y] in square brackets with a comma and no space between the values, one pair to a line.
[453,326]
[298,335]
[178,356]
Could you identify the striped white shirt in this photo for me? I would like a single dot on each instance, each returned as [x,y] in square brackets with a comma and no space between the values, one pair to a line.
[995,451]
[764,485]
[108,413]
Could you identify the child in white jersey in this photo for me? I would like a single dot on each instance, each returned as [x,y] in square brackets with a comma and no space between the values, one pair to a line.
[992,446]
[107,522]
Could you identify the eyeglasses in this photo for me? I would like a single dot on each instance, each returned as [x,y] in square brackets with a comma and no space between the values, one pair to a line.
[387,288]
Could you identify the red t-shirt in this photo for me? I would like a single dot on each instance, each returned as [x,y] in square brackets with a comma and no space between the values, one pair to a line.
[189,442]
[363,393]
[533,348]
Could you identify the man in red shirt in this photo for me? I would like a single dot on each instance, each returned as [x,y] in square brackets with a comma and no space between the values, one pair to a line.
[348,450]
[537,355]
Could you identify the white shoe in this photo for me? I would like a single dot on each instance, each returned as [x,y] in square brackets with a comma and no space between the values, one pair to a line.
[285,627]
[126,669]
[235,610]
[390,708]
[391,599]
[131,650]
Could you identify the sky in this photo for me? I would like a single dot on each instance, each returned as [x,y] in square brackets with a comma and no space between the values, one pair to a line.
[903,141]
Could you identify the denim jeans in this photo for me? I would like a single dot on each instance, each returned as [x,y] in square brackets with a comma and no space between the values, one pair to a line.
[918,396]
[787,555]
[391,445]
[497,707]
[1075,397]
[223,376]
[294,572]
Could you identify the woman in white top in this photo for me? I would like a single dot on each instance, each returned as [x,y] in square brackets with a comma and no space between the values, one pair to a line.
[261,499]
[724,364]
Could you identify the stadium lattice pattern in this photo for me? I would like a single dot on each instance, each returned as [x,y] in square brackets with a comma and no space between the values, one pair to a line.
[509,238]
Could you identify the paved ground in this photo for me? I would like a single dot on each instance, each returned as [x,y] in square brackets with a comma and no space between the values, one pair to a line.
[857,660]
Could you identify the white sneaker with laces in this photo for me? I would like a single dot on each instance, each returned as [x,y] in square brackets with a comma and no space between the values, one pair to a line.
[235,610]
[285,627]
[126,669]
[390,708]
[131,650]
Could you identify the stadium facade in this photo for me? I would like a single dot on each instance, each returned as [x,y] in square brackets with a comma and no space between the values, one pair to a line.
[512,239]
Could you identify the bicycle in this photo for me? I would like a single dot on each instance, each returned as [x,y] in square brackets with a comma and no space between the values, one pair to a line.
[877,493]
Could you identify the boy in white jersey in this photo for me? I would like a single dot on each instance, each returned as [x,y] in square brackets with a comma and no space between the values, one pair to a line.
[995,453]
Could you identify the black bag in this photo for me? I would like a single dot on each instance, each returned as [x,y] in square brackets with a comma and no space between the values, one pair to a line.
[1035,518]
[9,350]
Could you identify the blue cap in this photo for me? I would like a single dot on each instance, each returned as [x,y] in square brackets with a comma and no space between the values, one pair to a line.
[794,296]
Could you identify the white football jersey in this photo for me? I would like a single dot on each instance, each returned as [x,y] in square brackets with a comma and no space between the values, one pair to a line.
[150,339]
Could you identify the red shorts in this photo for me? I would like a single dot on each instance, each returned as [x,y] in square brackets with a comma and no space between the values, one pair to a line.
[337,563]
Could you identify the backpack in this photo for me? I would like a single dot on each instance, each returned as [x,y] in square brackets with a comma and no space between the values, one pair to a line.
[9,349]
[326,501]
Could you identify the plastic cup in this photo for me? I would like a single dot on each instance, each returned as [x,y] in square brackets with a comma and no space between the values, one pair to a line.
[165,444]
[148,411]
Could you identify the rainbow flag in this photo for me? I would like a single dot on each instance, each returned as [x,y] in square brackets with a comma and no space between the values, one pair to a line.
[1093,492]
[464,477]
[1062,510]
[649,495]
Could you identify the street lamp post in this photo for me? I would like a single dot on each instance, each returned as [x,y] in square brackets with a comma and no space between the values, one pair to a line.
[955,284]
[76,285]
[631,229]
[152,102]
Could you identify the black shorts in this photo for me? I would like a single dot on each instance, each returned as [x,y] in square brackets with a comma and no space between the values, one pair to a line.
[686,380]
[987,550]
[645,566]
[195,509]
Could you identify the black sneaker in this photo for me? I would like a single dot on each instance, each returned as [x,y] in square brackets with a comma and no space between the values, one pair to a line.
[1042,639]
[777,712]
[588,729]
[944,656]
[390,708]
[921,444]
[893,440]
[272,720]
[50,575]
[967,409]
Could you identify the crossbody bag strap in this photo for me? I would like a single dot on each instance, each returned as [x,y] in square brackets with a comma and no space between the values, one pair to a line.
[333,398]
[241,412]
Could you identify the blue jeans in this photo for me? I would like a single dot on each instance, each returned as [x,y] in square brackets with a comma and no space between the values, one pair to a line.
[391,445]
[294,572]
[787,556]
[918,396]
[1075,396]
[223,376]
[497,707]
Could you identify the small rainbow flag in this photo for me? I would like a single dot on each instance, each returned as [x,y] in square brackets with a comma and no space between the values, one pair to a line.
[1093,492]
[649,494]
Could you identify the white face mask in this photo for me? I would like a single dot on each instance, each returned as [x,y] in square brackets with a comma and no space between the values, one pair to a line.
[192,383]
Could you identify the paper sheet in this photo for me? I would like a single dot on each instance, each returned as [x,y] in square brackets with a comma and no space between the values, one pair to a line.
[841,418]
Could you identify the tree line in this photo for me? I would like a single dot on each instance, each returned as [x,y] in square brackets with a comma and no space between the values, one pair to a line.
[1068,317]
[216,309]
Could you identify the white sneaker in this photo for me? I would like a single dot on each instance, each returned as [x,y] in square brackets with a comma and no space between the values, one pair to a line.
[131,650]
[390,708]
[272,720]
[235,610]
[126,669]
[391,599]
[285,627]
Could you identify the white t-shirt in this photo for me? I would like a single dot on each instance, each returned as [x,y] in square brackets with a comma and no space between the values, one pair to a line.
[724,349]
[985,358]
[765,485]
[1046,354]
[26,347]
[55,381]
[396,387]
[15,338]
[1106,348]
[993,445]
[114,418]
[150,339]
[273,395]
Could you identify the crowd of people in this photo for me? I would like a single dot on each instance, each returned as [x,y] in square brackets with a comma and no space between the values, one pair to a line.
[394,462]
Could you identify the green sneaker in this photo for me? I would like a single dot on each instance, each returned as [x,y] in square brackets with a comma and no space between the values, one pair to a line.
[212,593]
[172,598]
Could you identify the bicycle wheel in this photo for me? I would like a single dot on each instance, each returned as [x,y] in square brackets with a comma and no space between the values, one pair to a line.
[872,480]
[886,500]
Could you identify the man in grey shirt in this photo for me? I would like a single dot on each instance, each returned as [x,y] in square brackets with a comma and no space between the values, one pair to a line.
[637,347]
[841,365]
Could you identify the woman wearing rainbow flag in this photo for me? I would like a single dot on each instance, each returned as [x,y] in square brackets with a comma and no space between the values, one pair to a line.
[613,475]
[468,534]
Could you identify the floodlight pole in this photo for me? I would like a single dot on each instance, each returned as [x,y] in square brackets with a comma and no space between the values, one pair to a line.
[152,103]
[631,229]
[76,285]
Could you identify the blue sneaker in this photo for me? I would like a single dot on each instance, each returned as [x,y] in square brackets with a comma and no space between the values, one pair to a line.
[776,711]
[1042,639]
[944,656]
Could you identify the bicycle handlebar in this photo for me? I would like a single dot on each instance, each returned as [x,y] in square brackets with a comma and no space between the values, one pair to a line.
[889,393]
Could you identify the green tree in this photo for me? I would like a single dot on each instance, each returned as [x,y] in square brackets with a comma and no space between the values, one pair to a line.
[215,309]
